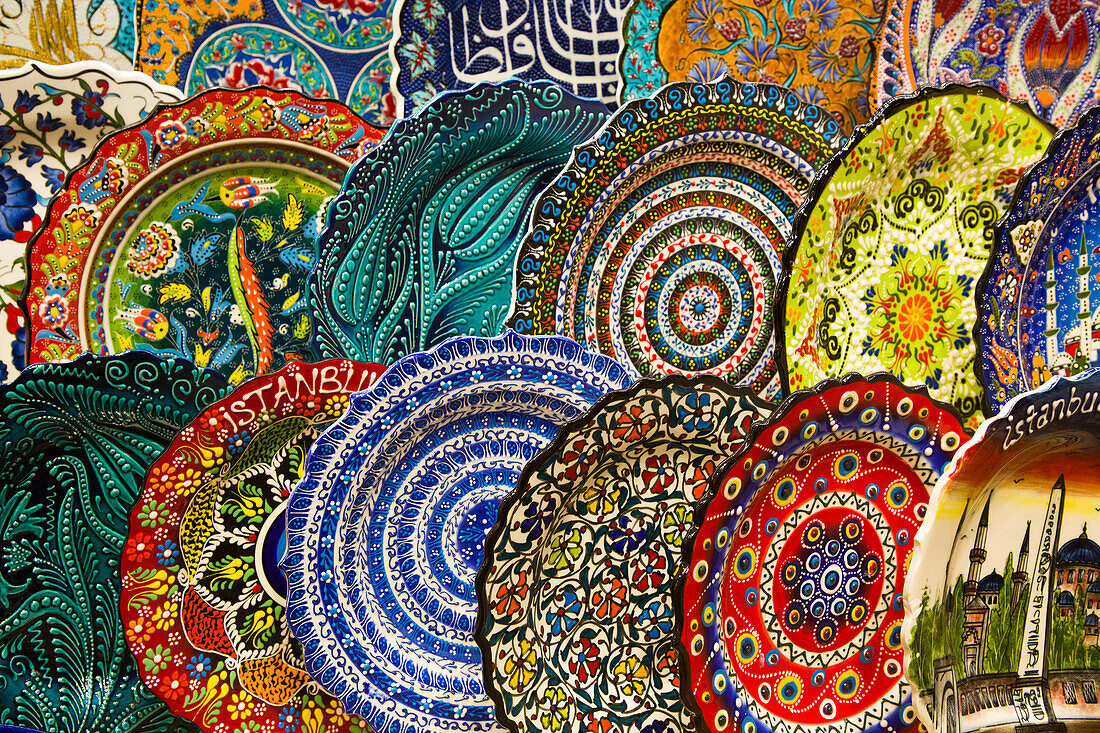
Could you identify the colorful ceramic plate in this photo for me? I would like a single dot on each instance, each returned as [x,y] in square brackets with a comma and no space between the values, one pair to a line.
[792,602]
[821,49]
[192,233]
[386,530]
[575,595]
[893,238]
[1035,300]
[75,442]
[202,592]
[1041,52]
[660,243]
[423,237]
[324,48]
[50,119]
[54,32]
[1001,600]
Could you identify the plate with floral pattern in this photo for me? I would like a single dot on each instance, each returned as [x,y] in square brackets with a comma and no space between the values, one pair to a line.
[192,233]
[792,594]
[423,237]
[882,277]
[203,599]
[575,594]
[50,119]
[1037,294]
[386,530]
[661,242]
[75,442]
[821,49]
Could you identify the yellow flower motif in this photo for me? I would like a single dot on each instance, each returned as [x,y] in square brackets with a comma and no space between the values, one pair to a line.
[241,706]
[521,670]
[632,674]
[336,405]
[165,616]
[601,499]
[554,710]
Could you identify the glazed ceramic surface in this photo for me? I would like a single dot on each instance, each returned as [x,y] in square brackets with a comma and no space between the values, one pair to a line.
[323,48]
[75,442]
[660,243]
[192,233]
[576,592]
[894,238]
[50,119]
[1038,295]
[822,49]
[1043,53]
[57,32]
[423,237]
[1001,601]
[792,603]
[455,44]
[202,592]
[386,530]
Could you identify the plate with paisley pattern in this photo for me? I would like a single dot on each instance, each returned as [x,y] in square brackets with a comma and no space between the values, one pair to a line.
[191,234]
[212,518]
[575,595]
[792,594]
[661,242]
[385,532]
[75,442]
[422,241]
[882,277]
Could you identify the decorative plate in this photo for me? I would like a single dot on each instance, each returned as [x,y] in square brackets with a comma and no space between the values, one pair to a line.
[75,442]
[1040,52]
[660,243]
[192,233]
[455,44]
[792,599]
[894,237]
[575,595]
[821,49]
[55,32]
[423,237]
[1001,599]
[403,489]
[50,118]
[202,593]
[1036,298]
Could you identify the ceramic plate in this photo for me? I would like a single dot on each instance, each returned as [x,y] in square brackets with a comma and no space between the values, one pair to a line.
[404,488]
[192,233]
[893,238]
[821,49]
[212,519]
[1041,52]
[56,32]
[660,243]
[324,48]
[50,119]
[75,442]
[1001,601]
[1036,297]
[792,601]
[575,595]
[455,44]
[423,237]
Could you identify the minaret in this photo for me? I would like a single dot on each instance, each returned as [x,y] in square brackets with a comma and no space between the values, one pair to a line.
[1084,311]
[1019,578]
[1052,311]
[977,554]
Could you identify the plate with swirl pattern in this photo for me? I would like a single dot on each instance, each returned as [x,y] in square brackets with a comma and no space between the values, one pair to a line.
[386,530]
[661,241]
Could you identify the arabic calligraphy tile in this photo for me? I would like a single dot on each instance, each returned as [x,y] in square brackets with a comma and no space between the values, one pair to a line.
[893,238]
[792,599]
[53,32]
[50,119]
[75,442]
[437,210]
[385,531]
[821,49]
[660,243]
[1000,603]
[456,44]
[575,596]
[219,497]
[1042,53]
[192,233]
